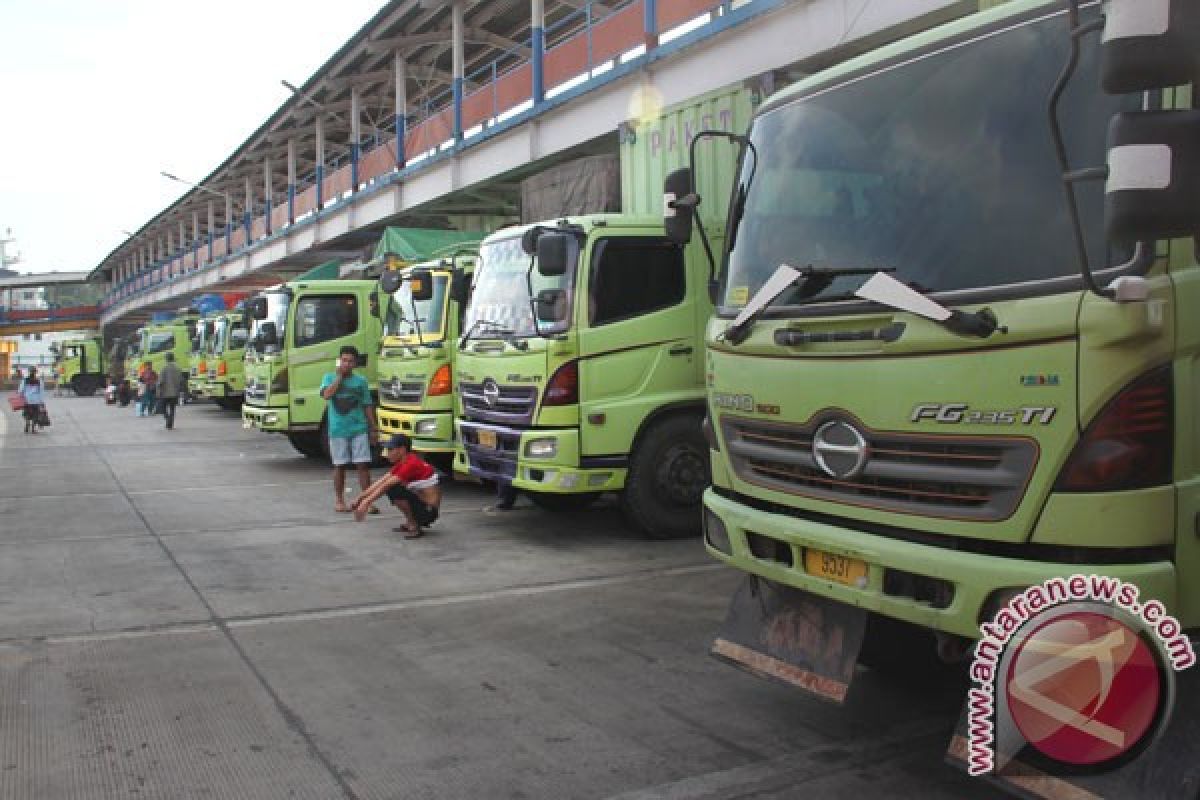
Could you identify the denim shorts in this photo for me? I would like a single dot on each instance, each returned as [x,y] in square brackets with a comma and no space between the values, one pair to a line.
[345,450]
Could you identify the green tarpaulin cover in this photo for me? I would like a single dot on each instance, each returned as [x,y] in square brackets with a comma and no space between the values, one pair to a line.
[422,244]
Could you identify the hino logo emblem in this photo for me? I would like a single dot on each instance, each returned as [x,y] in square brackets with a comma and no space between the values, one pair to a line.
[491,392]
[840,449]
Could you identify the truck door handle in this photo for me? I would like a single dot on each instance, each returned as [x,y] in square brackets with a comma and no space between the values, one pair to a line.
[681,350]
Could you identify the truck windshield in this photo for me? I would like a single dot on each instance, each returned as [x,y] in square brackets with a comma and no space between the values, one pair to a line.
[940,167]
[431,313]
[160,342]
[277,308]
[500,300]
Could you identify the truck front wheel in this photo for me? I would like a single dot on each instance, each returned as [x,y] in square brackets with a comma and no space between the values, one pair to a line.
[668,473]
[85,385]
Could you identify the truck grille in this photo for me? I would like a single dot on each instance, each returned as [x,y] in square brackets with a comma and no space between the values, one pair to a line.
[255,392]
[972,478]
[402,392]
[513,405]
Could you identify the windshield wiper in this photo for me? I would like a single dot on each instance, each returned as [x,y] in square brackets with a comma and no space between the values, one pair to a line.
[493,327]
[887,291]
[811,281]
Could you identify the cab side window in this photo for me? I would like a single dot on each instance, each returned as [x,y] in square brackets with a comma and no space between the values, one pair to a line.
[631,277]
[320,318]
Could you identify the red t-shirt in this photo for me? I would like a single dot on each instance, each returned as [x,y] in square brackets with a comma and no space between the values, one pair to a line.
[412,469]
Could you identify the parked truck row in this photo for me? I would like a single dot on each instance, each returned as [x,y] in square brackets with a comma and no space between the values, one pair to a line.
[856,333]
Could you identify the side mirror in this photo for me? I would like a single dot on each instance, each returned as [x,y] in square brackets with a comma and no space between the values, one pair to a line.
[420,282]
[552,305]
[390,280]
[1149,45]
[1153,175]
[258,308]
[268,335]
[679,205]
[552,254]
[460,286]
[529,239]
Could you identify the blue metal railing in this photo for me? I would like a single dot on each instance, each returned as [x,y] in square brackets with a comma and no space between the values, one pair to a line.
[582,21]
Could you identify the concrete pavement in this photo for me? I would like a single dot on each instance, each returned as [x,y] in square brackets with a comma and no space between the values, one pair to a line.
[182,615]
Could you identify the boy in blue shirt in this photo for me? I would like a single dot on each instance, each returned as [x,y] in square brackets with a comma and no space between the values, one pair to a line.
[350,420]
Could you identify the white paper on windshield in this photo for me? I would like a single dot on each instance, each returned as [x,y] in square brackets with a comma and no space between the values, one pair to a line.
[886,290]
[784,277]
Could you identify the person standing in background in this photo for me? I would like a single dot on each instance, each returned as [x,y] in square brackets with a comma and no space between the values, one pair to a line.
[33,392]
[169,384]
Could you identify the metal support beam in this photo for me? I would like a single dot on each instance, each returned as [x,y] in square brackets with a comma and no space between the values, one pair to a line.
[650,22]
[537,28]
[212,219]
[267,194]
[401,108]
[355,136]
[228,223]
[320,123]
[291,179]
[248,209]
[195,239]
[456,34]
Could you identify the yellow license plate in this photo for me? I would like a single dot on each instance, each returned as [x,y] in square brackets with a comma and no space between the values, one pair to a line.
[487,439]
[849,571]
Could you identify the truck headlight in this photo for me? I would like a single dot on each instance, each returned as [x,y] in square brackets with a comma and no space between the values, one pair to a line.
[541,448]
[426,427]
[270,419]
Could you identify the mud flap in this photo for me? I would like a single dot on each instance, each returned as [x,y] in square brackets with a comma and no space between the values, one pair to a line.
[792,636]
[1168,768]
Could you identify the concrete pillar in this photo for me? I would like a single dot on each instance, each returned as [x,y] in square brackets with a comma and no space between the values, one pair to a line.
[267,193]
[401,107]
[355,136]
[537,26]
[457,34]
[291,187]
[320,124]
[247,209]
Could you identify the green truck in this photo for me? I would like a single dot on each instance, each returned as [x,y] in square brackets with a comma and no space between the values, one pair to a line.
[203,342]
[936,380]
[225,378]
[580,366]
[297,331]
[420,328]
[81,365]
[168,336]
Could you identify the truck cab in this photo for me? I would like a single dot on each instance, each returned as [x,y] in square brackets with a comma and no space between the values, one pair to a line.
[225,379]
[421,327]
[81,365]
[579,370]
[295,335]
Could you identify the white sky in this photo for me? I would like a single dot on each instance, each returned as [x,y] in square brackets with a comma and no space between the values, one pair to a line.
[98,96]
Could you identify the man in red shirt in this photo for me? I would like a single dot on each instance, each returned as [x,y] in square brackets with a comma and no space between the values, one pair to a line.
[411,484]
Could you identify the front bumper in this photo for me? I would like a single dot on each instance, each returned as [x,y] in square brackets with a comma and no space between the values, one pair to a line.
[272,419]
[510,461]
[436,428]
[782,540]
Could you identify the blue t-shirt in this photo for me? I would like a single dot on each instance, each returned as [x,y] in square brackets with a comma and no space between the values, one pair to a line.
[352,391]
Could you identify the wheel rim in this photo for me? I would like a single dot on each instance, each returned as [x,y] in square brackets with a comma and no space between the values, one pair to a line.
[681,476]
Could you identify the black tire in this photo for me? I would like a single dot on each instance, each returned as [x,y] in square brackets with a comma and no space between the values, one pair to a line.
[564,502]
[85,385]
[306,444]
[668,473]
